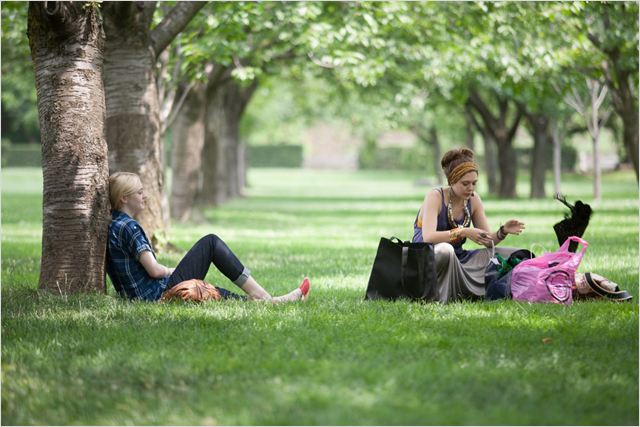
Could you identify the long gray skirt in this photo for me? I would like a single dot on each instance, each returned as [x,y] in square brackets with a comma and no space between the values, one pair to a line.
[458,281]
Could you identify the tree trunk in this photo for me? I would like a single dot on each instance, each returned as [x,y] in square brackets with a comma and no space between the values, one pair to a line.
[133,108]
[597,173]
[469,130]
[67,43]
[188,139]
[490,164]
[133,121]
[508,166]
[539,155]
[437,154]
[557,156]
[503,135]
[223,178]
[626,105]
[489,150]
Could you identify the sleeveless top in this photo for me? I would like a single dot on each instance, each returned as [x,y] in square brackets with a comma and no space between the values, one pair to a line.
[443,225]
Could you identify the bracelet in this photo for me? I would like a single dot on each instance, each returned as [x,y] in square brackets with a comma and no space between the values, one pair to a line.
[454,234]
[501,234]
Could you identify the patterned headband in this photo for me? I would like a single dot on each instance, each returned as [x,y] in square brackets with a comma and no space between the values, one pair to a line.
[461,170]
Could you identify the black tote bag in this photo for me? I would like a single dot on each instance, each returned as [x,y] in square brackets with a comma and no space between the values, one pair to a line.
[403,270]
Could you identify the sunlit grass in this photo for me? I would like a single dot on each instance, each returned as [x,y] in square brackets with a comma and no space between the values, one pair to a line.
[93,359]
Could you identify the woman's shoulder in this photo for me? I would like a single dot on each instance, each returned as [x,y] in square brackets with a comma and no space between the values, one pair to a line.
[124,222]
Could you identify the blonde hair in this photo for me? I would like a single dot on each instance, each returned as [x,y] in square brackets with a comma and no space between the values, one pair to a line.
[122,184]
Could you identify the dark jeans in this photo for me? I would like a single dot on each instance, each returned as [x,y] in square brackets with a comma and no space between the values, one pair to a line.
[195,264]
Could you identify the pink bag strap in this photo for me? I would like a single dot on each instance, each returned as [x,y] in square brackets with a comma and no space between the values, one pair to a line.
[578,256]
[565,245]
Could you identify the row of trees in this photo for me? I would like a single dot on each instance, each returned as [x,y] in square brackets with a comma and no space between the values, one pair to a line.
[112,77]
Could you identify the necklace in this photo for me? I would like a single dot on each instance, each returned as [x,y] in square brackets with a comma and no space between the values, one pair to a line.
[467,215]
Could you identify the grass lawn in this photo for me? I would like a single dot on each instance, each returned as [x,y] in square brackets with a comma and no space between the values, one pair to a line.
[94,359]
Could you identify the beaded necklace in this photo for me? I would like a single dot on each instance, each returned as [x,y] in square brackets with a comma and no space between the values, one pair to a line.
[467,215]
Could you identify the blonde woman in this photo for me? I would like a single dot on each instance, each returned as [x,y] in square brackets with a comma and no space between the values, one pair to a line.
[445,220]
[135,271]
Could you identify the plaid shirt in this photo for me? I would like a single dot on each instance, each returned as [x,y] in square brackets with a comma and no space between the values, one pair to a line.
[127,241]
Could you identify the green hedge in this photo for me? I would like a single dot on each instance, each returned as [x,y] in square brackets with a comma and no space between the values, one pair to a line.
[21,154]
[277,155]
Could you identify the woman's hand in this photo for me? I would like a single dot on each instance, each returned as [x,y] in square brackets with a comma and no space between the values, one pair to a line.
[481,237]
[513,226]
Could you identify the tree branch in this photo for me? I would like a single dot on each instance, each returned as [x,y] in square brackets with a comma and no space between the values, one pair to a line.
[174,22]
[516,122]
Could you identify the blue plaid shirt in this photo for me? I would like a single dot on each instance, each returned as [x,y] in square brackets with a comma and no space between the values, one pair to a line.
[127,241]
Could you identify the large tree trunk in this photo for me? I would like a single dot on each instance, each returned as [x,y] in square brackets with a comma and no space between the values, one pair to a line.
[503,135]
[490,156]
[67,43]
[223,177]
[133,121]
[539,124]
[133,109]
[626,105]
[188,140]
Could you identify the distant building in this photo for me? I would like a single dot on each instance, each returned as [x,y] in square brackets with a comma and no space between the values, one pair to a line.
[331,146]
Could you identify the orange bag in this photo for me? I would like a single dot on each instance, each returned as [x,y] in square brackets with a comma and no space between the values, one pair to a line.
[191,290]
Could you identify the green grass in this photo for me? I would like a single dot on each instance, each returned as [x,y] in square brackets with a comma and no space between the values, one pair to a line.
[93,359]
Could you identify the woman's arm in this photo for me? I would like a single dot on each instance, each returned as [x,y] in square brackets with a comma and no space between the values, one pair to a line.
[429,214]
[153,267]
[479,218]
[430,211]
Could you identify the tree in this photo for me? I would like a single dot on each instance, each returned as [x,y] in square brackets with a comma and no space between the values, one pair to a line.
[230,47]
[67,43]
[133,107]
[19,112]
[589,108]
[612,27]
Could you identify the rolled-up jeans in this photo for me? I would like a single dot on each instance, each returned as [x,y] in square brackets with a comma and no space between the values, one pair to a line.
[195,265]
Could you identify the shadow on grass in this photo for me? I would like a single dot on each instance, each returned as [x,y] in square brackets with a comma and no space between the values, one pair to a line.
[333,360]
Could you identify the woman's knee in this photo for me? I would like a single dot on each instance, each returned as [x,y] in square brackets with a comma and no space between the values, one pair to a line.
[444,250]
[212,240]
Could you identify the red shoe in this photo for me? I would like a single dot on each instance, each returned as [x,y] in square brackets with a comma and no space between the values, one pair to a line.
[304,287]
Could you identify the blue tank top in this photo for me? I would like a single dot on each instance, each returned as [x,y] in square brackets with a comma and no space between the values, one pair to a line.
[443,225]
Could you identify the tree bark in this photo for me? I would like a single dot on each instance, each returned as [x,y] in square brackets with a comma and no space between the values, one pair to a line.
[619,78]
[540,131]
[490,164]
[222,176]
[133,108]
[557,138]
[626,105]
[469,129]
[67,44]
[502,134]
[188,140]
[437,153]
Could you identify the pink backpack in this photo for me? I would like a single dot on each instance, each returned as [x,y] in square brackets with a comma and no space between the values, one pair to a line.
[548,278]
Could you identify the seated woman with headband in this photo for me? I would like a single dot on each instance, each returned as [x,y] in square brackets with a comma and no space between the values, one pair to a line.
[445,220]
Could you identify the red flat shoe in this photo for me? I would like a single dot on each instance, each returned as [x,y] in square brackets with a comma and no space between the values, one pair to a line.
[304,287]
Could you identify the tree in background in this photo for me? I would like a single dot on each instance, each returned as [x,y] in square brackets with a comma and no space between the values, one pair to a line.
[612,27]
[67,44]
[229,48]
[19,112]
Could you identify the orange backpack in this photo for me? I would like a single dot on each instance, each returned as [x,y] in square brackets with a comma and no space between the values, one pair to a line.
[191,290]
